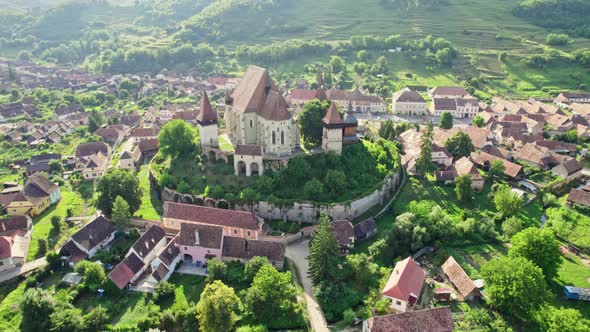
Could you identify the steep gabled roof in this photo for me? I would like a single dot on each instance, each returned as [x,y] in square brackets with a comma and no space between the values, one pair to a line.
[94,232]
[206,115]
[258,94]
[209,236]
[148,241]
[406,280]
[458,277]
[332,117]
[235,247]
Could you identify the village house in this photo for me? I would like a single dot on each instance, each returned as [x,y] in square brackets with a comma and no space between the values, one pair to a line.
[92,159]
[257,114]
[365,230]
[235,223]
[92,237]
[484,161]
[458,107]
[361,102]
[433,320]
[569,170]
[137,260]
[448,92]
[15,237]
[344,231]
[411,141]
[142,134]
[535,155]
[298,97]
[37,194]
[578,197]
[242,250]
[148,148]
[129,160]
[564,99]
[404,285]
[466,288]
[409,102]
[110,135]
[40,163]
[464,166]
[164,265]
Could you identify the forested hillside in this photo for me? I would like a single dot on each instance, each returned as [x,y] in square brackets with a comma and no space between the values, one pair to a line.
[573,15]
[526,47]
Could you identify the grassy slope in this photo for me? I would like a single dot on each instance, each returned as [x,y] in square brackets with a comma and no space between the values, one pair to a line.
[150,207]
[42,227]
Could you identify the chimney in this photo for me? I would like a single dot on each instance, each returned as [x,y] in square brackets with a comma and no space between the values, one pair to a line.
[197,240]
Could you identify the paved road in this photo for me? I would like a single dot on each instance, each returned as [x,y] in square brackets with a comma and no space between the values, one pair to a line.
[27,267]
[298,252]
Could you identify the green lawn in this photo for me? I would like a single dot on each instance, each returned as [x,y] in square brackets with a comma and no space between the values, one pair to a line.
[188,287]
[225,144]
[10,314]
[151,207]
[42,228]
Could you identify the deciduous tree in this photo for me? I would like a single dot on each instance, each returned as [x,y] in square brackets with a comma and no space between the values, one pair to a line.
[310,122]
[459,145]
[216,310]
[496,170]
[272,296]
[564,319]
[424,164]
[446,120]
[478,121]
[253,266]
[177,138]
[121,215]
[506,201]
[514,285]
[118,182]
[540,247]
[463,188]
[36,306]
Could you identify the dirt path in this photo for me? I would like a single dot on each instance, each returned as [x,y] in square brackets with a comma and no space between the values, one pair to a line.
[298,252]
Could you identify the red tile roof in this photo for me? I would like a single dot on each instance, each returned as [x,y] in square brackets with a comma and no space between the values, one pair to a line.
[211,216]
[122,274]
[145,132]
[428,320]
[406,279]
[332,116]
[206,115]
[248,150]
[580,197]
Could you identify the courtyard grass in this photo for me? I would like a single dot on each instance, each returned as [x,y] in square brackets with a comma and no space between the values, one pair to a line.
[225,144]
[42,227]
[151,206]
[10,314]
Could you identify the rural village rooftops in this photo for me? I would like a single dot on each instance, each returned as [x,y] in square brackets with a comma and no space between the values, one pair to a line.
[148,241]
[94,232]
[200,235]
[211,216]
[405,281]
[235,247]
[458,277]
[431,320]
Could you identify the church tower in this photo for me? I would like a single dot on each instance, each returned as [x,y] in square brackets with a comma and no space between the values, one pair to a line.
[207,123]
[332,133]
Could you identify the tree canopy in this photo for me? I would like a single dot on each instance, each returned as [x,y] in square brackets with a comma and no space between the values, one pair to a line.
[459,145]
[178,138]
[463,188]
[121,215]
[446,120]
[114,183]
[424,164]
[217,308]
[310,122]
[514,285]
[506,201]
[540,247]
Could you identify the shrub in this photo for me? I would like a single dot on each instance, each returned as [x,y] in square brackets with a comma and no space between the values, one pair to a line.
[349,316]
[164,291]
[555,39]
[42,247]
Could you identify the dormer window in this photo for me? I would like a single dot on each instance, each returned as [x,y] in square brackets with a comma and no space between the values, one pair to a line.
[147,244]
[235,231]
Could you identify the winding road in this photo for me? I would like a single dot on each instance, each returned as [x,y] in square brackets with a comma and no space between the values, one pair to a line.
[298,252]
